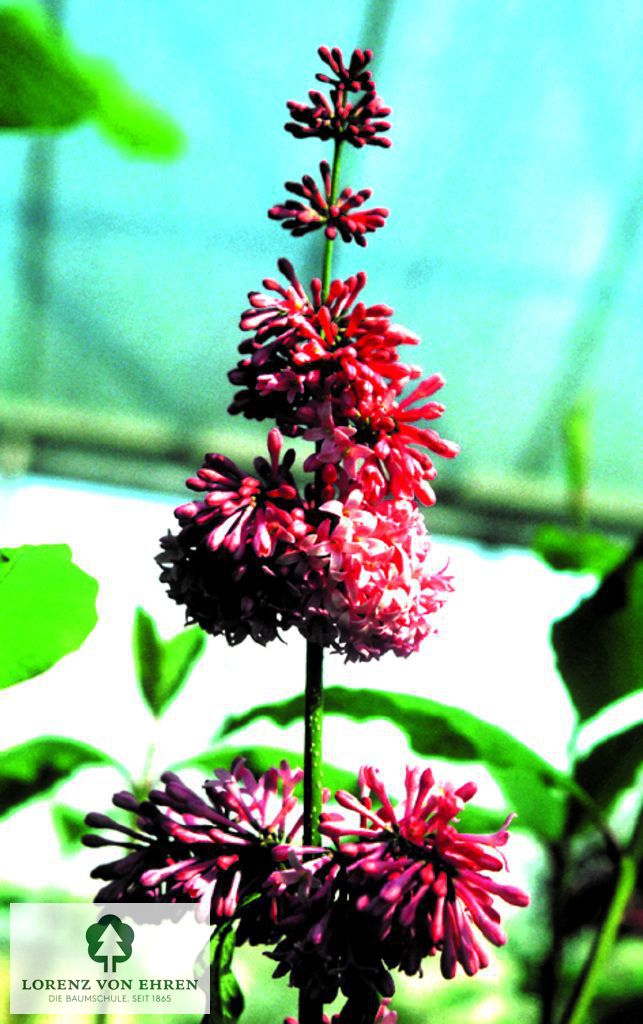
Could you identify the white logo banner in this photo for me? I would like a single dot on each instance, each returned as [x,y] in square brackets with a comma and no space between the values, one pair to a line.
[115,958]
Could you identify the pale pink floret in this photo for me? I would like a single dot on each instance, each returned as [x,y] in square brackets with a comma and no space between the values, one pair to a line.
[372,582]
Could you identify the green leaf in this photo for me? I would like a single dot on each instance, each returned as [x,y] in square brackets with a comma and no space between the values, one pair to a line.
[41,85]
[35,768]
[260,759]
[46,85]
[226,997]
[533,787]
[611,765]
[163,666]
[130,121]
[481,820]
[566,549]
[47,608]
[69,824]
[598,646]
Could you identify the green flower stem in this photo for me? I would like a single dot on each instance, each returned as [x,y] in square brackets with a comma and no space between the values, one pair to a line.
[314,716]
[311,1010]
[314,713]
[328,250]
[585,990]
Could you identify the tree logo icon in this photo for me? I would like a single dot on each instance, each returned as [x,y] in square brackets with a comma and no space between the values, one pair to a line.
[109,941]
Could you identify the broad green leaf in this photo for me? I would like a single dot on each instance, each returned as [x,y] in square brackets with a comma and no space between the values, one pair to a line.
[41,85]
[226,997]
[578,551]
[599,647]
[70,825]
[33,769]
[260,759]
[45,84]
[611,765]
[163,666]
[47,608]
[533,787]
[131,121]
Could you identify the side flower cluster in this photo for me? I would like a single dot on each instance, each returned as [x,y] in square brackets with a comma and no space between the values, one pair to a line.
[254,556]
[330,369]
[342,215]
[395,885]
[352,113]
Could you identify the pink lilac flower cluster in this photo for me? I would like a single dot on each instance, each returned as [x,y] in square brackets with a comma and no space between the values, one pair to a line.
[226,564]
[417,879]
[397,884]
[214,851]
[345,559]
[342,216]
[353,113]
[254,556]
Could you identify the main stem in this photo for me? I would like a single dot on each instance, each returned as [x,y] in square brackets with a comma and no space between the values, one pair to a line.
[311,1010]
[314,718]
[314,712]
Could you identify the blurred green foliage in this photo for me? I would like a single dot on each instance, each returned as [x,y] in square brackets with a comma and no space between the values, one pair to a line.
[226,997]
[69,824]
[567,548]
[47,86]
